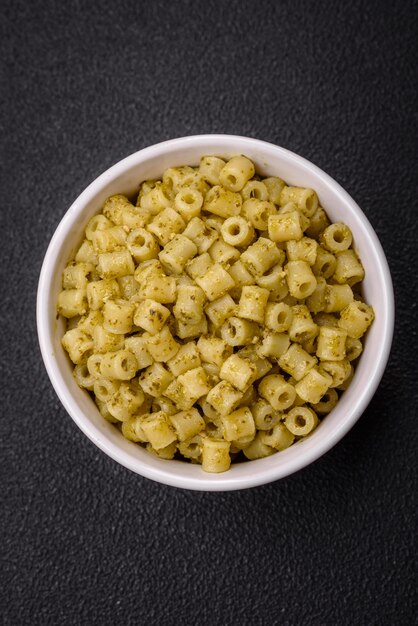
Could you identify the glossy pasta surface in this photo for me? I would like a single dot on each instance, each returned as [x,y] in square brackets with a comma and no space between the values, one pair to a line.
[218,316]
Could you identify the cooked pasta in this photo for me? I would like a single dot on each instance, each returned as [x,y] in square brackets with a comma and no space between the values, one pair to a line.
[213,319]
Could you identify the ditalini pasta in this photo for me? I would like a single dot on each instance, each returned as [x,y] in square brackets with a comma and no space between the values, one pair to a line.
[218,317]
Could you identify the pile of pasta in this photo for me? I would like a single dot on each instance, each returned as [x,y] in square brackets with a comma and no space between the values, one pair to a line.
[217,319]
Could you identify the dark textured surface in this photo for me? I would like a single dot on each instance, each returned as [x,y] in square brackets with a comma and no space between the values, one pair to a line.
[84,541]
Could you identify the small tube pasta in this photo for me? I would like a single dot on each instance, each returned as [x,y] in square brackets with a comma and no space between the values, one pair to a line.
[238,424]
[188,203]
[189,304]
[274,186]
[213,350]
[163,404]
[249,397]
[337,297]
[187,358]
[236,172]
[257,449]
[313,385]
[220,309]
[115,264]
[155,200]
[155,379]
[137,345]
[353,348]
[72,302]
[104,389]
[316,301]
[119,365]
[305,199]
[158,430]
[261,364]
[157,287]
[325,263]
[86,253]
[284,227]
[238,332]
[240,372]
[134,217]
[175,178]
[258,212]
[99,291]
[214,222]
[336,238]
[187,388]
[300,279]
[255,189]
[215,455]
[147,269]
[187,330]
[78,344]
[303,250]
[326,403]
[151,316]
[162,346]
[128,286]
[279,393]
[97,222]
[199,265]
[265,417]
[356,319]
[187,424]
[222,202]
[297,362]
[348,269]
[274,279]
[253,302]
[236,231]
[76,275]
[300,421]
[338,370]
[279,437]
[278,316]
[210,167]
[195,381]
[118,316]
[166,453]
[177,252]
[318,222]
[273,344]
[104,412]
[325,319]
[94,362]
[223,397]
[109,240]
[302,327]
[216,282]
[222,252]
[142,245]
[290,207]
[83,377]
[165,225]
[132,430]
[191,448]
[331,344]
[126,401]
[261,256]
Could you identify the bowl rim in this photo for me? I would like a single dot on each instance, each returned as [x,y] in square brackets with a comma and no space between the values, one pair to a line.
[224,481]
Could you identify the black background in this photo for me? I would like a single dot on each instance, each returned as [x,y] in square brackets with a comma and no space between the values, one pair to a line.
[85,541]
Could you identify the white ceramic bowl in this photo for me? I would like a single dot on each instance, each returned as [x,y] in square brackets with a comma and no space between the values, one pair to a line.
[124,177]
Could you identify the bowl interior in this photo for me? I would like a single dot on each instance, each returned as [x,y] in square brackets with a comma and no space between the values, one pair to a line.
[125,178]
